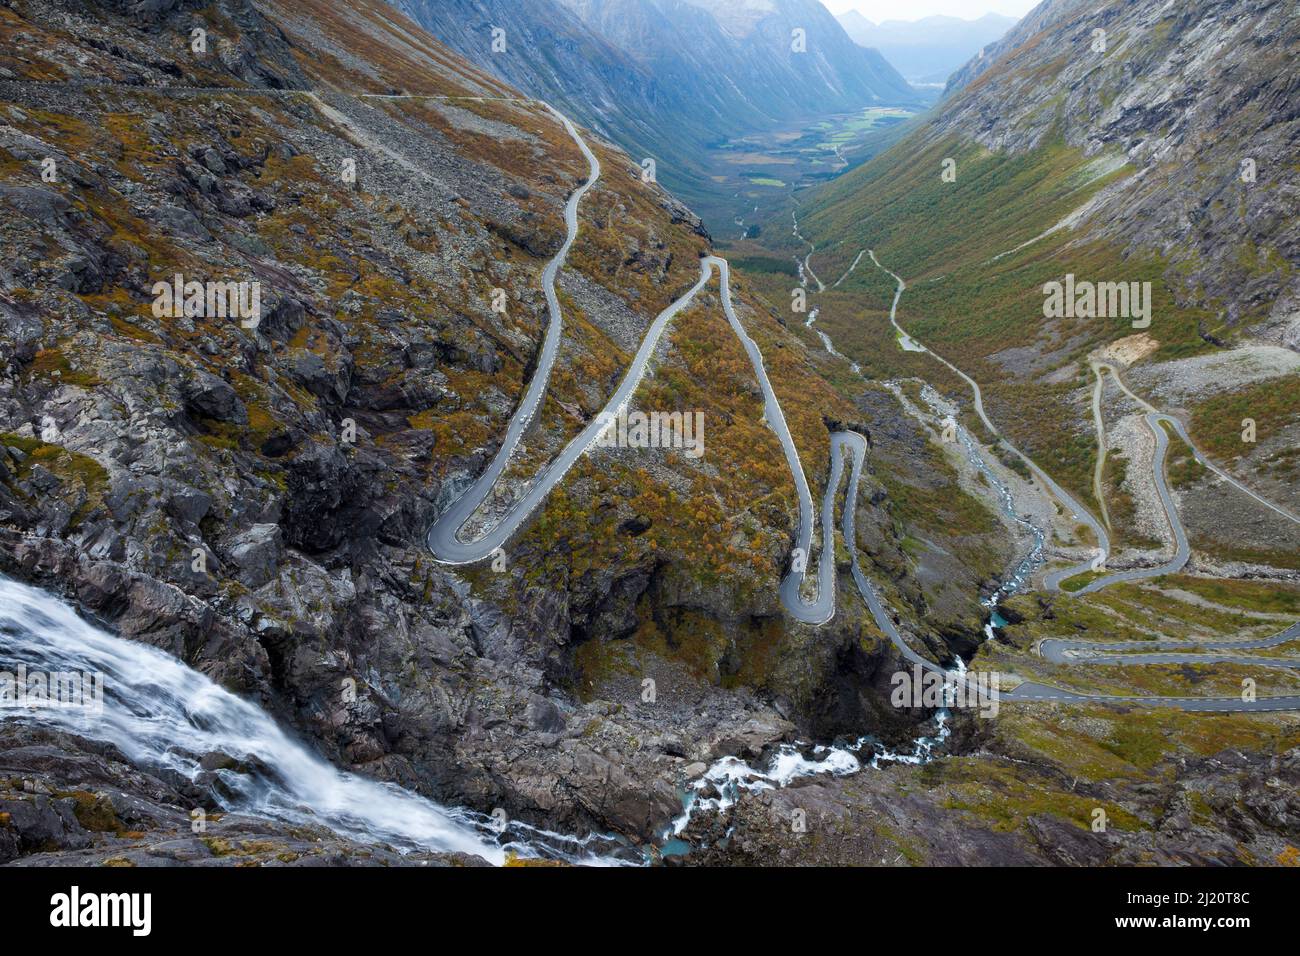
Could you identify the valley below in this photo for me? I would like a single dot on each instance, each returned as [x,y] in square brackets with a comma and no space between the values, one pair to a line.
[373,577]
[751,174]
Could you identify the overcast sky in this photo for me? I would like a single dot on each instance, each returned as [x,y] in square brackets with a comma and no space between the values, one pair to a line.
[877,10]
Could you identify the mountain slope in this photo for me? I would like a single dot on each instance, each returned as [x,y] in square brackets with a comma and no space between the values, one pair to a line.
[254,499]
[747,51]
[1115,167]
[1125,166]
[930,49]
[665,78]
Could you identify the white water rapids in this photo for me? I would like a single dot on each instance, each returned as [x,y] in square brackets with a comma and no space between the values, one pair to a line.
[165,716]
[722,784]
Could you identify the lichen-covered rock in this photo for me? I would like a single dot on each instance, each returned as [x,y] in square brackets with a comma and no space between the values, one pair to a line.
[257,553]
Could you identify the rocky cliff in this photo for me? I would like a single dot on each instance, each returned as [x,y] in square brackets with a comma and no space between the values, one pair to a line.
[1108,141]
[1113,142]
[251,493]
[252,496]
[1199,99]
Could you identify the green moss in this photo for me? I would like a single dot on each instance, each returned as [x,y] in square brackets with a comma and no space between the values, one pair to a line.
[1081,581]
[21,442]
[771,265]
[999,795]
[53,363]
[218,846]
[92,813]
[1217,427]
[1269,597]
[74,470]
[1229,551]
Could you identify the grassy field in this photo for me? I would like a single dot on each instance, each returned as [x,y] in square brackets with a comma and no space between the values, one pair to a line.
[751,177]
[973,295]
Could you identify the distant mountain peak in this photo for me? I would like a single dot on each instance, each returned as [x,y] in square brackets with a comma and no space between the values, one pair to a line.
[670,78]
[738,17]
[928,50]
[854,18]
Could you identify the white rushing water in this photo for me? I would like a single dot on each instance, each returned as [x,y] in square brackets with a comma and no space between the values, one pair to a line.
[1023,571]
[165,716]
[723,783]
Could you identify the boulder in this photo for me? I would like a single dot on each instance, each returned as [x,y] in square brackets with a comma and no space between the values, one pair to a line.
[213,397]
[257,553]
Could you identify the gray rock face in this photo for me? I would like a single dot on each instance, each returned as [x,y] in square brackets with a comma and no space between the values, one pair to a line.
[41,205]
[257,553]
[210,395]
[39,822]
[182,222]
[254,501]
[303,461]
[1183,94]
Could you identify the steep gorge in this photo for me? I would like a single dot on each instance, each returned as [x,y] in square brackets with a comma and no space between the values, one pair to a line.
[253,499]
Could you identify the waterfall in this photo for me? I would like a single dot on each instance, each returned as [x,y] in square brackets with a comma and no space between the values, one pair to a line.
[165,716]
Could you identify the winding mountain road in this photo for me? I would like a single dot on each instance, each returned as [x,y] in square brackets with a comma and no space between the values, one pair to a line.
[856,445]
[1099,470]
[1155,420]
[1097,652]
[1076,511]
[448,545]
[1060,650]
[445,536]
[1031,691]
[1182,550]
[1099,368]
[443,539]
